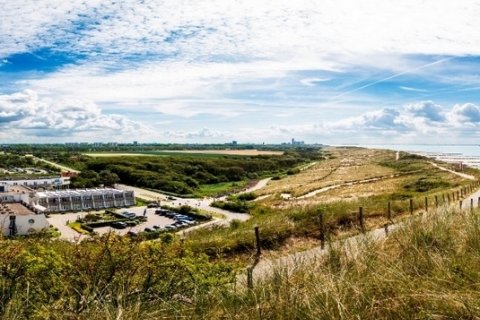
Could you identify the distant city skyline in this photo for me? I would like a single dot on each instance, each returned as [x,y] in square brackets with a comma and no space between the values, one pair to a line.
[332,72]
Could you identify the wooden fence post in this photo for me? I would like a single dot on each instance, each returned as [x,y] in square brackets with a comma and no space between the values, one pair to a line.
[460,204]
[443,199]
[322,230]
[250,278]
[436,201]
[389,211]
[361,220]
[471,204]
[411,206]
[257,241]
[426,204]
[478,204]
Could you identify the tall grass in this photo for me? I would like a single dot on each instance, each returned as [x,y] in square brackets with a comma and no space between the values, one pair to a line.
[427,269]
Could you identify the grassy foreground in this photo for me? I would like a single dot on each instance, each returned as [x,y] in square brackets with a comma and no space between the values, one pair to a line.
[426,270]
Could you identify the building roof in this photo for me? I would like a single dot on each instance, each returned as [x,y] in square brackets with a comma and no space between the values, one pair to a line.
[78,192]
[15,209]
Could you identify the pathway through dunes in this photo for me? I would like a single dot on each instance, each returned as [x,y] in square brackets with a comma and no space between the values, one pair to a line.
[353,174]
[268,267]
[460,174]
[350,183]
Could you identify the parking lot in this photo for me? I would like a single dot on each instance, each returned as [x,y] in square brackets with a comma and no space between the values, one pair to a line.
[152,220]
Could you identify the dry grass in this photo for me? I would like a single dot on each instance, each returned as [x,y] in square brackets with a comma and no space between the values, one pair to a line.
[346,173]
[252,152]
[348,165]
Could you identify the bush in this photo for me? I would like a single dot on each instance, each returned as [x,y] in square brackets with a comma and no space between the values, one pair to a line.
[234,206]
[249,196]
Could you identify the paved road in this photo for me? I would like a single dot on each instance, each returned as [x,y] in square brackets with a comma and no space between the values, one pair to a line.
[63,168]
[204,204]
[259,185]
[60,221]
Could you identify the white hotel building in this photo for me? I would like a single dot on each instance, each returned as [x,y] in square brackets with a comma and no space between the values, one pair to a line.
[35,183]
[83,199]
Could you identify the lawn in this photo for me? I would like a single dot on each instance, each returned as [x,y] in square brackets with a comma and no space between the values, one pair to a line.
[201,153]
[212,190]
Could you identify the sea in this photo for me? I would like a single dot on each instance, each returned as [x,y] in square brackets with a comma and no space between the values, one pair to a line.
[467,154]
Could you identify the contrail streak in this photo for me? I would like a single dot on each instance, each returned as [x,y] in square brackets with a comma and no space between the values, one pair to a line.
[392,77]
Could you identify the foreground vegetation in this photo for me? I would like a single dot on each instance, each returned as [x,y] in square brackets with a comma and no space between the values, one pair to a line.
[425,270]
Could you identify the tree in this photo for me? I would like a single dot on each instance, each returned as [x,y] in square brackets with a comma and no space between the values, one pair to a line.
[108,178]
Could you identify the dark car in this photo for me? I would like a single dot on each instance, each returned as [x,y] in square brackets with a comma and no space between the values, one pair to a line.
[148,230]
[131,234]
[119,225]
[152,205]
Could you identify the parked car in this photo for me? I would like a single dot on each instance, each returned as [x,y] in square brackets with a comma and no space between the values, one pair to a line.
[148,230]
[170,227]
[156,227]
[170,214]
[181,224]
[171,198]
[184,218]
[131,223]
[131,234]
[119,225]
[152,205]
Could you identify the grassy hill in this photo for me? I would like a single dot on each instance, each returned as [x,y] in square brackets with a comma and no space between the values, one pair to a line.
[425,270]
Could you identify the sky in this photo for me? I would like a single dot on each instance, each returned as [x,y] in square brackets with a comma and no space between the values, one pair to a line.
[178,71]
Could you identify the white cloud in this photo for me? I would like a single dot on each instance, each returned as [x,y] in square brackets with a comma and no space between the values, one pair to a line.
[465,115]
[422,118]
[427,110]
[310,82]
[204,134]
[28,112]
[412,89]
[277,30]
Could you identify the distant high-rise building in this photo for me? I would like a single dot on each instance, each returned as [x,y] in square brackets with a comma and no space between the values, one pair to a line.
[297,143]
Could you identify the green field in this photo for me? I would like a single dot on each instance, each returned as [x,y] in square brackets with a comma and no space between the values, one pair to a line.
[209,190]
[195,153]
[184,173]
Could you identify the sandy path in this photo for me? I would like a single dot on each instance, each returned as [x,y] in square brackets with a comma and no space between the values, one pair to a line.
[463,175]
[63,168]
[266,268]
[259,185]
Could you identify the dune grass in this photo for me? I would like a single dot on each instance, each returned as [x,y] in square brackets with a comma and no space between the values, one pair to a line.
[427,269]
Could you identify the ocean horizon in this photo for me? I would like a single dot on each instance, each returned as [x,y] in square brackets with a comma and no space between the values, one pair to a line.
[461,149]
